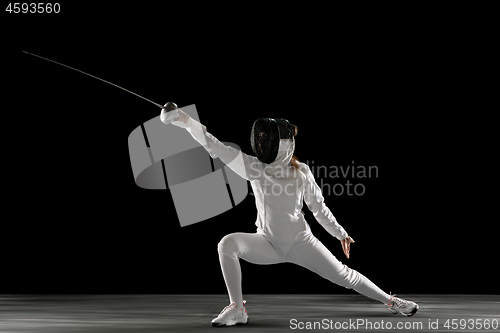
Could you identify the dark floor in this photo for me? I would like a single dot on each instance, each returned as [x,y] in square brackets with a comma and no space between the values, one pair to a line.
[193,313]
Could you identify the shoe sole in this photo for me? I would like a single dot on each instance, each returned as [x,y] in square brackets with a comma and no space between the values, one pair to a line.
[413,312]
[224,325]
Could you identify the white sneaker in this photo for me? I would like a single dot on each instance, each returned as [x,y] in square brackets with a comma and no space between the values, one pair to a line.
[231,315]
[398,305]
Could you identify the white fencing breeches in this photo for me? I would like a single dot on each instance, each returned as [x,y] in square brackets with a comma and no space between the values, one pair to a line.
[306,251]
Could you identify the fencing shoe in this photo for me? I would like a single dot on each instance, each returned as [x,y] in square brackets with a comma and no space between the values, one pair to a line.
[398,305]
[231,315]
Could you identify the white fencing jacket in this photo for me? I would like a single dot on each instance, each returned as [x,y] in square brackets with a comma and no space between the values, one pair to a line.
[279,189]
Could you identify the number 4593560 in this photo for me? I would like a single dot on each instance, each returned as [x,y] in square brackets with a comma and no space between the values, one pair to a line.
[32,8]
[471,324]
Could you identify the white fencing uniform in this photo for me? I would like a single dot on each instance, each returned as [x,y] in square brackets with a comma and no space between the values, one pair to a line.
[283,234]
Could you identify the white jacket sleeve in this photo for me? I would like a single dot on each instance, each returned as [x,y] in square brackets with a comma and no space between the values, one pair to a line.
[315,202]
[244,165]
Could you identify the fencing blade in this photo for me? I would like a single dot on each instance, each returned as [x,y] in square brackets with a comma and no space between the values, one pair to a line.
[95,77]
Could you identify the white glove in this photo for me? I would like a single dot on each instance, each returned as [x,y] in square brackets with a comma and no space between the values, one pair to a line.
[181,123]
[177,117]
[168,117]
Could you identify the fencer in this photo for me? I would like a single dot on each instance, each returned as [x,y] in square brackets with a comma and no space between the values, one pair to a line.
[281,183]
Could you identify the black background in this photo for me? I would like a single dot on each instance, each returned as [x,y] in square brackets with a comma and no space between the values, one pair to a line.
[408,100]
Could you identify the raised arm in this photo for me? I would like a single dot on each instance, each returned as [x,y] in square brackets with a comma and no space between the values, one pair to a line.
[244,165]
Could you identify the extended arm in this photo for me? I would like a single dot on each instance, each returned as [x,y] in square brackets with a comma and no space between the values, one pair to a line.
[244,165]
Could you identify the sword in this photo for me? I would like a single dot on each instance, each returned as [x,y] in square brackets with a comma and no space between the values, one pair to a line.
[95,77]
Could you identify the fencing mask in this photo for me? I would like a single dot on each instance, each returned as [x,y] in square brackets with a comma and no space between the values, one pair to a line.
[266,136]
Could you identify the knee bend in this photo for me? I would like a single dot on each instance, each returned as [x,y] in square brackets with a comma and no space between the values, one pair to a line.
[228,246]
